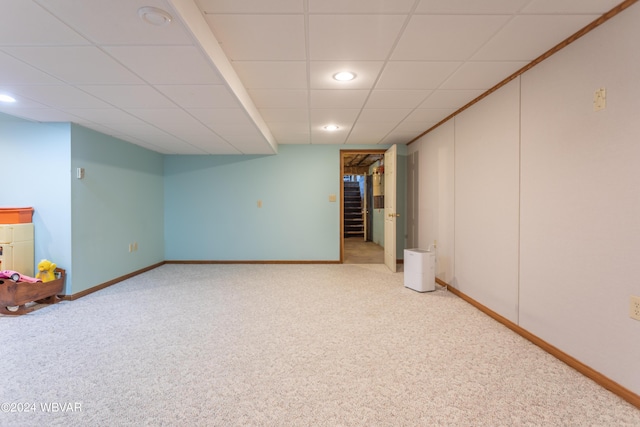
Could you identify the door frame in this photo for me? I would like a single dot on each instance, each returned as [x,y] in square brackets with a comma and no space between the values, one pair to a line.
[342,154]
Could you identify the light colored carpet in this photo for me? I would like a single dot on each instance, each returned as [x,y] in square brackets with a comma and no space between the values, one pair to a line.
[285,345]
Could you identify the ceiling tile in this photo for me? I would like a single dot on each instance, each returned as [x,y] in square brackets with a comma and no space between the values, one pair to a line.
[321,136]
[381,98]
[369,133]
[40,114]
[200,96]
[129,96]
[15,72]
[353,37]
[117,22]
[570,6]
[429,115]
[523,40]
[322,73]
[250,6]
[75,65]
[167,64]
[105,116]
[215,116]
[415,74]
[290,133]
[26,23]
[470,6]
[291,115]
[481,75]
[260,37]
[382,115]
[60,96]
[273,98]
[450,98]
[345,98]
[272,75]
[360,6]
[446,37]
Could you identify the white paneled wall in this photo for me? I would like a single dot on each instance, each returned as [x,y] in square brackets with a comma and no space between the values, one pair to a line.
[486,201]
[534,200]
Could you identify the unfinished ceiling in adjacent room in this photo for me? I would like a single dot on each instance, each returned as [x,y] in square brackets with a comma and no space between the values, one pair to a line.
[242,76]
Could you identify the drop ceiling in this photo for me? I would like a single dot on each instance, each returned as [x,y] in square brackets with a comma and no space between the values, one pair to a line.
[243,76]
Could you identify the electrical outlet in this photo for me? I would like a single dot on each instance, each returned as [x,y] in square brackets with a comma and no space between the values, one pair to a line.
[634,308]
[130,247]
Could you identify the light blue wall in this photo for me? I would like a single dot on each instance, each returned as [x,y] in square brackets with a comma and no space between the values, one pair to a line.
[120,201]
[35,159]
[211,210]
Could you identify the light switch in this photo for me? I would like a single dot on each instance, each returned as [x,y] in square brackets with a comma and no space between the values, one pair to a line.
[259,203]
[332,197]
[80,173]
[599,99]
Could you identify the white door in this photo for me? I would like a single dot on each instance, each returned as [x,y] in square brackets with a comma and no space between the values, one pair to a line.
[390,214]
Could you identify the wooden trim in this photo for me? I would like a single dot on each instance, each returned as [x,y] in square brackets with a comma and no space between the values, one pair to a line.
[96,288]
[585,370]
[601,20]
[248,262]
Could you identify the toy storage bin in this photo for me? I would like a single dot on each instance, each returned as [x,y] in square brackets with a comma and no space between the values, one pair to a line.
[23,297]
[15,215]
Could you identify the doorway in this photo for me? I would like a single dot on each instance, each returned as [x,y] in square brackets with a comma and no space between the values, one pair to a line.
[361,237]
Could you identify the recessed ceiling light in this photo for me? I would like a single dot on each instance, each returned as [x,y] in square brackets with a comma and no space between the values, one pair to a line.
[7,98]
[331,127]
[154,16]
[344,76]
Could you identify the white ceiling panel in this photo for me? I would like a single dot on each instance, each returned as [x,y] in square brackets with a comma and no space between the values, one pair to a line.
[369,133]
[292,115]
[200,96]
[116,22]
[16,72]
[129,96]
[372,116]
[430,115]
[251,6]
[211,117]
[524,40]
[570,6]
[75,64]
[230,76]
[27,23]
[61,97]
[415,74]
[272,75]
[470,7]
[481,75]
[450,98]
[353,37]
[338,98]
[272,98]
[361,6]
[260,37]
[381,98]
[167,64]
[438,37]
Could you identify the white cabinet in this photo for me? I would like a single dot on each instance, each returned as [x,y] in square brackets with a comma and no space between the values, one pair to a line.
[419,270]
[16,248]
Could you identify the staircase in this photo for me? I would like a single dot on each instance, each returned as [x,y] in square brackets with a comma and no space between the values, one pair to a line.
[353,222]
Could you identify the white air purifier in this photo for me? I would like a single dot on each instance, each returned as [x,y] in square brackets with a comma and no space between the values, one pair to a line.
[420,270]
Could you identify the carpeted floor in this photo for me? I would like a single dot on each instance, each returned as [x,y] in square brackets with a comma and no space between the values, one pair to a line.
[284,345]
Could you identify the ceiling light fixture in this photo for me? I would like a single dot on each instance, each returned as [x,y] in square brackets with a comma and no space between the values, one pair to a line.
[154,16]
[331,128]
[7,98]
[344,76]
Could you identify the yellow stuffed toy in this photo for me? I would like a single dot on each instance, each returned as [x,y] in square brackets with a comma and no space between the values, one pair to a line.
[46,271]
